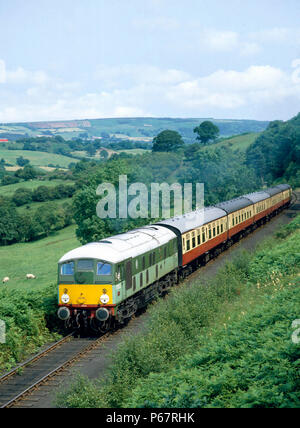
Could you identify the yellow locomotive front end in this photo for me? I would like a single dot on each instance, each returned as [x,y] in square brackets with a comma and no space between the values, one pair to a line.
[85,294]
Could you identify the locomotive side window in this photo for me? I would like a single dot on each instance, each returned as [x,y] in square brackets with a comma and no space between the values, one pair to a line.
[103,269]
[67,269]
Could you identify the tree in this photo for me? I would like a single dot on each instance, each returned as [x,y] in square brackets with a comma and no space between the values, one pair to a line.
[104,154]
[206,131]
[41,194]
[9,222]
[90,149]
[28,173]
[22,196]
[22,162]
[167,141]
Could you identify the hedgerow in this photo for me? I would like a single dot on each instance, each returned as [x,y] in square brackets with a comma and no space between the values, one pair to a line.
[29,317]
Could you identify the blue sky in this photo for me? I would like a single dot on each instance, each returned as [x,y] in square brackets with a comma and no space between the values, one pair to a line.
[194,58]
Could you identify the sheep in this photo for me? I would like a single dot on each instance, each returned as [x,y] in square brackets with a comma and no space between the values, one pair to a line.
[30,276]
[6,279]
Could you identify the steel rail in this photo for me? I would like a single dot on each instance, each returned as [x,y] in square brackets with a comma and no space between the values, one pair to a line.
[35,358]
[55,371]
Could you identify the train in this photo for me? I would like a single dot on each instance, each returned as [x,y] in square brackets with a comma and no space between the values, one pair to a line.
[105,283]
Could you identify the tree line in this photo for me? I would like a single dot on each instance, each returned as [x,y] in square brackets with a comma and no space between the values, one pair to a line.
[26,227]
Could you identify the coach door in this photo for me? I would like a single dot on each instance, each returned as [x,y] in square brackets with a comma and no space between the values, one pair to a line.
[128,276]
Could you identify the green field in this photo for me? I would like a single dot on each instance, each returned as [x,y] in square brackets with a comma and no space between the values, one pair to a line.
[241,142]
[39,258]
[30,185]
[33,206]
[134,151]
[36,158]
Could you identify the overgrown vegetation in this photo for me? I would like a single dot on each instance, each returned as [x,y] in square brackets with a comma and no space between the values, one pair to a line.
[276,152]
[226,343]
[29,317]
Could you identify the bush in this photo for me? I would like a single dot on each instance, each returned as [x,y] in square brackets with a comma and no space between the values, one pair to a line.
[27,315]
[22,197]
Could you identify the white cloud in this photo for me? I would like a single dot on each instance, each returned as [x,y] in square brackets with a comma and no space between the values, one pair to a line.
[231,90]
[220,40]
[22,77]
[132,74]
[257,92]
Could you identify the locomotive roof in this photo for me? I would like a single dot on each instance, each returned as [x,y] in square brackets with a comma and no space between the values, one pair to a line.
[194,219]
[121,247]
[234,204]
[257,196]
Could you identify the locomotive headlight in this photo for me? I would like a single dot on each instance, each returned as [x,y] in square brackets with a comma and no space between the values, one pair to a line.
[104,299]
[65,298]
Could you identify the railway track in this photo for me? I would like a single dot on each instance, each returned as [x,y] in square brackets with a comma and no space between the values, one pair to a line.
[20,382]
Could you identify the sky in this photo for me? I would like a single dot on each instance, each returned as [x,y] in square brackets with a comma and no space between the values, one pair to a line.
[85,59]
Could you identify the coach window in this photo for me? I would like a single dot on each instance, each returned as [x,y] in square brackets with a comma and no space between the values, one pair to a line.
[209,234]
[232,221]
[188,245]
[147,276]
[203,235]
[199,238]
[141,280]
[134,283]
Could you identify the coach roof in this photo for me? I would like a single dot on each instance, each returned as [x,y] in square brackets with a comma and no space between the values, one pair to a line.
[193,220]
[234,204]
[257,196]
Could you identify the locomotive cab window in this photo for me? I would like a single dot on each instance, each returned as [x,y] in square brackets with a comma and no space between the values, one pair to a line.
[104,269]
[85,265]
[67,269]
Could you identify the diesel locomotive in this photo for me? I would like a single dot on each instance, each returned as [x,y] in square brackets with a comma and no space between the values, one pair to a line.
[106,282]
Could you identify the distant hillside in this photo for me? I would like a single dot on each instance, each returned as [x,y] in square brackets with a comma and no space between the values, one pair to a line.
[135,129]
